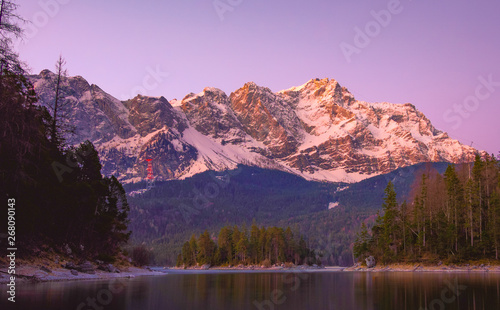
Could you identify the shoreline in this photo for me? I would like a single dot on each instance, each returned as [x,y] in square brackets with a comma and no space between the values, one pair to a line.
[383,268]
[33,274]
[250,269]
[426,268]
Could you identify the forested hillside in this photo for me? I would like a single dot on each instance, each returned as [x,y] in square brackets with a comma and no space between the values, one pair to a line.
[453,216]
[327,214]
[172,211]
[58,200]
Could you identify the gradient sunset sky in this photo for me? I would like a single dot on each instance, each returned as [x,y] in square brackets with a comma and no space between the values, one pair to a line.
[442,56]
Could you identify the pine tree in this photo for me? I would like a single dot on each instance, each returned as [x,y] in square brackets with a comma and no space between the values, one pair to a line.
[477,195]
[193,244]
[235,238]
[469,201]
[206,248]
[178,262]
[187,254]
[362,242]
[495,207]
[10,30]
[403,214]
[423,210]
[277,244]
[454,193]
[389,220]
[112,218]
[224,242]
[59,108]
[263,245]
[289,244]
[242,248]
[254,244]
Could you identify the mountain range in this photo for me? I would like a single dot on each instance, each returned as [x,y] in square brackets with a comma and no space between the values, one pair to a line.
[312,157]
[318,131]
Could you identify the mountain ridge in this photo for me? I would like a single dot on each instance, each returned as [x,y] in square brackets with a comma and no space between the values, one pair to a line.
[317,130]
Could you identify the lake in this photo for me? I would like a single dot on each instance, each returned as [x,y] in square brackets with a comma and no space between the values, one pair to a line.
[268,290]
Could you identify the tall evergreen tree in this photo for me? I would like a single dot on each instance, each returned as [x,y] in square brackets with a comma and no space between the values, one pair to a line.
[454,193]
[361,245]
[242,247]
[224,241]
[193,244]
[59,126]
[10,29]
[187,254]
[255,247]
[206,249]
[389,220]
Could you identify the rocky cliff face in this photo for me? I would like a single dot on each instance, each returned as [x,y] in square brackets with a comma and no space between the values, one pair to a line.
[317,130]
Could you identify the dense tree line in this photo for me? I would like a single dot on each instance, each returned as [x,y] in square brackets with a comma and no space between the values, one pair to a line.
[61,198]
[453,217]
[234,245]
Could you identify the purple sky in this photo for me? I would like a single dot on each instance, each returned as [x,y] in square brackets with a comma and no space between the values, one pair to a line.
[438,55]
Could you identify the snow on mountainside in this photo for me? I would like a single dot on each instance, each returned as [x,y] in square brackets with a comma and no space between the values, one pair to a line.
[318,131]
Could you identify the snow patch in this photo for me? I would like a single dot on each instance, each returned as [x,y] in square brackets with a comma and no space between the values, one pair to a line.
[332,205]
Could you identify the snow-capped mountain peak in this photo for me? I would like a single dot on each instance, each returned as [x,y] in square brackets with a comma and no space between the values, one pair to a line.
[317,130]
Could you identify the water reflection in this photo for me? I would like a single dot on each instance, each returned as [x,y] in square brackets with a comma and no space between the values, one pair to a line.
[317,290]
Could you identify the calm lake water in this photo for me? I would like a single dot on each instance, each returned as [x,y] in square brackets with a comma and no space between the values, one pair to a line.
[270,290]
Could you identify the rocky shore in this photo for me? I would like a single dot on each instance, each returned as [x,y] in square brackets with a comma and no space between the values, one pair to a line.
[33,273]
[30,273]
[253,267]
[358,267]
[427,268]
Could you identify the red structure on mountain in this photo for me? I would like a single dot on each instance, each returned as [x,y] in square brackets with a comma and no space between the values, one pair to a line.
[150,169]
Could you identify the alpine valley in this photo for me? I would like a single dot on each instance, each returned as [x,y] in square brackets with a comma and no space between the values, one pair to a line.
[296,157]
